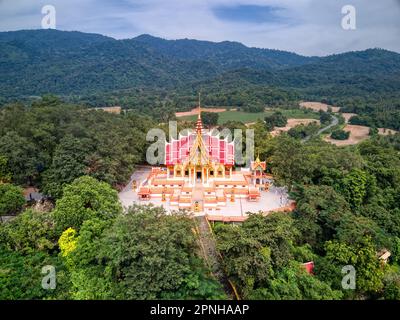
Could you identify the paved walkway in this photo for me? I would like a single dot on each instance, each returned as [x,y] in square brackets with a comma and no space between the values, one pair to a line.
[273,199]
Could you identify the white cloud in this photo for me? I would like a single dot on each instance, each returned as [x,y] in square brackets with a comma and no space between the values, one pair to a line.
[314,26]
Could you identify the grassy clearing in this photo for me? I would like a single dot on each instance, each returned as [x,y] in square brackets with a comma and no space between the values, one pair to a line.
[248,117]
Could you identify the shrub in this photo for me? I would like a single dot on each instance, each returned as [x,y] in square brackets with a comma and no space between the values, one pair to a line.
[340,135]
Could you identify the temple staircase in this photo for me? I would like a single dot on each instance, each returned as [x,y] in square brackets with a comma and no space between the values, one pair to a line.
[212,257]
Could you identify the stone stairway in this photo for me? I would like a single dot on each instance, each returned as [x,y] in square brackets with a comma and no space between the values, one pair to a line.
[211,256]
[197,197]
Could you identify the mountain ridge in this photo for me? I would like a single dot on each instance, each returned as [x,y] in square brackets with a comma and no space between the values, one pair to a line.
[36,62]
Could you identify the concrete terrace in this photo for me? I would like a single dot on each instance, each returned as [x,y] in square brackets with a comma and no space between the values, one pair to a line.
[273,200]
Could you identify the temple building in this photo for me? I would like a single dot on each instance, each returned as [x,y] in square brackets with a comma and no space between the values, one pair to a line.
[199,157]
[199,174]
[258,176]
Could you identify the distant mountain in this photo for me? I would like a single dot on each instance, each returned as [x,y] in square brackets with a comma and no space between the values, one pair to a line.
[36,62]
[226,54]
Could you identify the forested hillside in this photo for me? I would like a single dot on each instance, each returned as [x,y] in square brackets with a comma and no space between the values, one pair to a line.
[67,63]
[158,77]
[51,143]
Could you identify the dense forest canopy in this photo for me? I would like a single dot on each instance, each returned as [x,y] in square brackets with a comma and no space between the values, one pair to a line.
[51,143]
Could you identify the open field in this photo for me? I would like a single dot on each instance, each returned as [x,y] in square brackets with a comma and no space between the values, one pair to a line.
[115,109]
[316,106]
[194,111]
[347,116]
[248,117]
[357,134]
[386,132]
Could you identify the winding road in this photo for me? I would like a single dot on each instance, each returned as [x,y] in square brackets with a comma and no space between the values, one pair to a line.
[333,123]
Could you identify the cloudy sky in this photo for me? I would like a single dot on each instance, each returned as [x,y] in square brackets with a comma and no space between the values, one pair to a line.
[310,27]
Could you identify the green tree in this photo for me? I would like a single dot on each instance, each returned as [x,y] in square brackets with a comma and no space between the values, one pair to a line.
[294,283]
[391,282]
[21,277]
[5,174]
[153,255]
[275,231]
[289,162]
[325,117]
[144,254]
[277,119]
[11,199]
[89,279]
[84,199]
[340,134]
[302,131]
[20,154]
[254,251]
[67,165]
[362,256]
[29,232]
[373,131]
[210,118]
[318,213]
[247,262]
[354,187]
[354,228]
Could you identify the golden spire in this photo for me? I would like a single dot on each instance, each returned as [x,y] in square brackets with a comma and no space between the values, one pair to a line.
[199,116]
[199,124]
[258,157]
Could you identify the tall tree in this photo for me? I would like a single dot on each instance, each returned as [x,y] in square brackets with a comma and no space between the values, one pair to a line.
[362,257]
[319,211]
[69,163]
[354,187]
[210,118]
[11,199]
[5,174]
[20,154]
[83,199]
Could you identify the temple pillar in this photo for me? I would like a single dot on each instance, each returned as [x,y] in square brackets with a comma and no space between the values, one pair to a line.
[230,172]
[190,176]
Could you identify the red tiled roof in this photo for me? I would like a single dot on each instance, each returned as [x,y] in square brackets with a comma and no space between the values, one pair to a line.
[219,150]
[144,191]
[309,266]
[256,164]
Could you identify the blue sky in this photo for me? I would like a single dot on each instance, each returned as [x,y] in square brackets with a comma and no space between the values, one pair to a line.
[310,27]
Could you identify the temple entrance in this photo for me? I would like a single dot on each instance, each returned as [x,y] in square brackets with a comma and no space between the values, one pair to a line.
[198,176]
